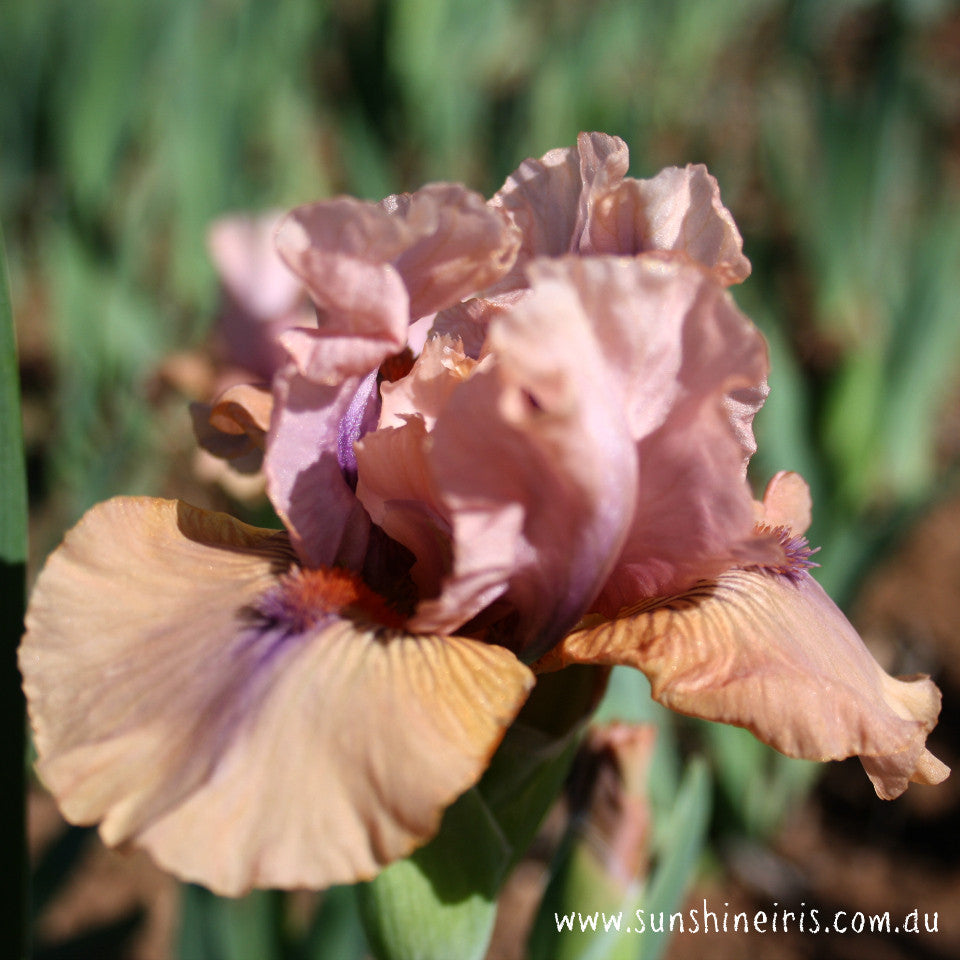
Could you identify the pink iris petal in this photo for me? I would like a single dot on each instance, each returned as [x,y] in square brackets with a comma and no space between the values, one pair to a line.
[246,725]
[372,269]
[786,503]
[462,245]
[549,198]
[578,201]
[397,488]
[368,325]
[772,653]
[678,210]
[534,463]
[311,468]
[264,298]
[396,483]
[694,514]
[438,371]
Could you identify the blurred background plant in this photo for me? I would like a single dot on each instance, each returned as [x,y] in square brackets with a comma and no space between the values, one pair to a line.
[833,127]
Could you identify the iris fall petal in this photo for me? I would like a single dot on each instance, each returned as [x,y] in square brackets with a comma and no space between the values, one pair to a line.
[239,747]
[772,653]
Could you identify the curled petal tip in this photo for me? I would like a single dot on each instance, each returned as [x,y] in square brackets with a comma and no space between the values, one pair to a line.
[772,653]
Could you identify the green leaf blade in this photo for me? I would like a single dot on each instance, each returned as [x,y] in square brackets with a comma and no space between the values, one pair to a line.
[13,559]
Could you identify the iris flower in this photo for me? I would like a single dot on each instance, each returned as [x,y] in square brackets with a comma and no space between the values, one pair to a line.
[555,474]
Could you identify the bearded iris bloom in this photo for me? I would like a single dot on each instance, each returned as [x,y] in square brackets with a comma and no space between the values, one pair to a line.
[516,439]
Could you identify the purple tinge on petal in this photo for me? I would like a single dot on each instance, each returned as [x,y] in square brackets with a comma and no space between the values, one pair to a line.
[797,558]
[360,417]
[248,724]
[306,480]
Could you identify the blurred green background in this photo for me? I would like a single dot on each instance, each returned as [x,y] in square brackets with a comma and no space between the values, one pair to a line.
[833,127]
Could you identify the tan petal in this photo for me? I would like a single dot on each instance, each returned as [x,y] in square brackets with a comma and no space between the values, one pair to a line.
[223,445]
[236,423]
[243,408]
[772,653]
[237,750]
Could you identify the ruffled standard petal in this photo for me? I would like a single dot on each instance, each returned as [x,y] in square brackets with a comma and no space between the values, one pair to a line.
[678,210]
[462,245]
[578,200]
[203,705]
[772,653]
[695,514]
[535,465]
[372,269]
[549,199]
